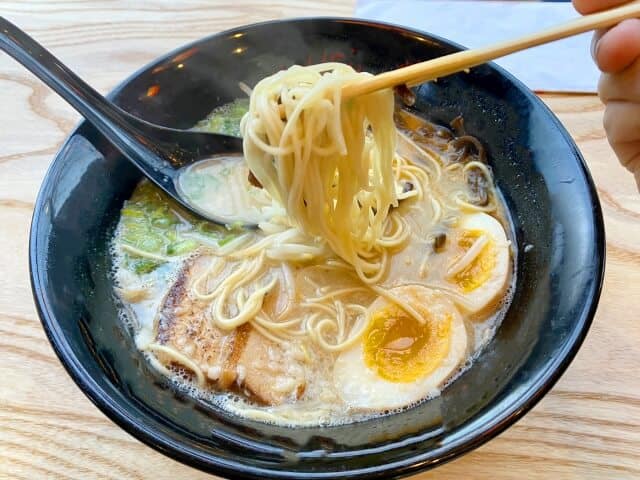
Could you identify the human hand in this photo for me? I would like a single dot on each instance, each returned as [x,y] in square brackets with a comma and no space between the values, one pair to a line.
[617,53]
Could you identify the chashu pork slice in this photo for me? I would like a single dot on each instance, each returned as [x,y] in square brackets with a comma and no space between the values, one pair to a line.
[242,359]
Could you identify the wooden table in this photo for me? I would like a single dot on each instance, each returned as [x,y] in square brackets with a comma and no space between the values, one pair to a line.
[587,427]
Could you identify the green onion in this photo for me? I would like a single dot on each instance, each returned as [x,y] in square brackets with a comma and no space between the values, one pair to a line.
[162,222]
[208,229]
[132,213]
[171,235]
[150,243]
[227,239]
[182,247]
[143,266]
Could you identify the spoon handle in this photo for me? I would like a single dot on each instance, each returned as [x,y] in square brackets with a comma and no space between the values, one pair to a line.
[114,123]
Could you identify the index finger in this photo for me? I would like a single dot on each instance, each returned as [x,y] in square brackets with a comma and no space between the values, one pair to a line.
[591,6]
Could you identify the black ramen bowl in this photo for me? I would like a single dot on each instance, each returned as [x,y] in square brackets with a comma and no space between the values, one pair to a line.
[547,188]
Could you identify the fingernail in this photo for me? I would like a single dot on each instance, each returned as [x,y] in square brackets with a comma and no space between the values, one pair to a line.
[594,46]
[595,42]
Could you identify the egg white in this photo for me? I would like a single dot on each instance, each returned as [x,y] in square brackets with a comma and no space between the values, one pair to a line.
[495,286]
[361,388]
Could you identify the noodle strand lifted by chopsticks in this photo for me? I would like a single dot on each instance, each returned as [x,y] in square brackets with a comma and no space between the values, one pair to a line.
[330,163]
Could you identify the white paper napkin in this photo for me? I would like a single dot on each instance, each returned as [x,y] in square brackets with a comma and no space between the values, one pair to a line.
[562,66]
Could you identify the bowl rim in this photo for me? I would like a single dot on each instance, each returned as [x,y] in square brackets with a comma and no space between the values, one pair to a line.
[149,434]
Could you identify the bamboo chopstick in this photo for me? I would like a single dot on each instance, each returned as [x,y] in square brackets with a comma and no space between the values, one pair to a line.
[459,61]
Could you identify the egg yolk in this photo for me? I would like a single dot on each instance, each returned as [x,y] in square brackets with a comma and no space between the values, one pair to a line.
[400,349]
[479,270]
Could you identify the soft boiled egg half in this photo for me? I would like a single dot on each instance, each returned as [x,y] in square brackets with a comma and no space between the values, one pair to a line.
[477,263]
[399,360]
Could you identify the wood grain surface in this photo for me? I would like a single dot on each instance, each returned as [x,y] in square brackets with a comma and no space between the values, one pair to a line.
[588,426]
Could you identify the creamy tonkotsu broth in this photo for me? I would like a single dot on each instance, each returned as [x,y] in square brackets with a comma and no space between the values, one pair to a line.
[271,324]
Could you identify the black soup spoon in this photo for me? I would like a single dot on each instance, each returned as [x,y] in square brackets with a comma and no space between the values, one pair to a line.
[160,153]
